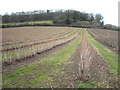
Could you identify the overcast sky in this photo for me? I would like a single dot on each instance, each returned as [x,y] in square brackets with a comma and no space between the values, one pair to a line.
[108,8]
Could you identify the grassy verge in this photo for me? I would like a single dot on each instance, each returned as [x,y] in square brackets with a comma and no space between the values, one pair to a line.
[37,74]
[107,54]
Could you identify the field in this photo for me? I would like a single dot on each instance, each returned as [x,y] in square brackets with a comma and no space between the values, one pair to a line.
[59,57]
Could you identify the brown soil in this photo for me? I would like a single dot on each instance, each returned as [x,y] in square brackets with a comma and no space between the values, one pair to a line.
[21,34]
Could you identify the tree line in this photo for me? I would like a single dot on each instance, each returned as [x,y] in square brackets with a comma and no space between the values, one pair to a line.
[60,17]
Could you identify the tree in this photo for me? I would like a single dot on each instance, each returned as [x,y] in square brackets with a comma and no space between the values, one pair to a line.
[67,21]
[98,18]
[6,18]
[75,16]
[91,17]
[48,11]
[102,23]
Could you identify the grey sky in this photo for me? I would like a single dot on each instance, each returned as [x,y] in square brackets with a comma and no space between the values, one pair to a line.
[108,8]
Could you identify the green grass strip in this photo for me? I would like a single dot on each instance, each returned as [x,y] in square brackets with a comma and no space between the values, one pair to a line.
[107,54]
[88,85]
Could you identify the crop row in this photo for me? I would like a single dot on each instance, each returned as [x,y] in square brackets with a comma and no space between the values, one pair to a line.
[106,37]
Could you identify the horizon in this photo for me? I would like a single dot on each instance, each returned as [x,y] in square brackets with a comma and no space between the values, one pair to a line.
[109,11]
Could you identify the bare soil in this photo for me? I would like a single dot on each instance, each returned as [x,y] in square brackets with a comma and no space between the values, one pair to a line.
[31,33]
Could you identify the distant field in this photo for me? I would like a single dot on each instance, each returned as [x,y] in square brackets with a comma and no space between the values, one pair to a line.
[32,33]
[30,23]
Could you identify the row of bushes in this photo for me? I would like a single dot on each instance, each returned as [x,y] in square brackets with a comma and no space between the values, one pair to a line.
[20,25]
